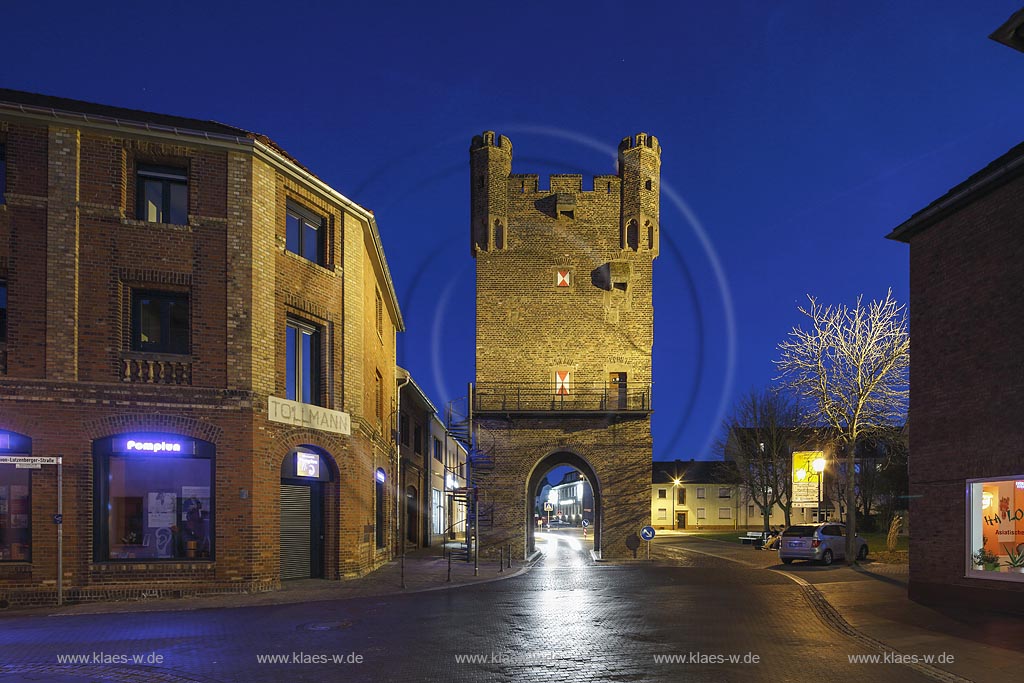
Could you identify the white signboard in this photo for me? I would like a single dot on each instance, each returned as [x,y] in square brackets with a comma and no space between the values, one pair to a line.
[29,460]
[805,494]
[304,415]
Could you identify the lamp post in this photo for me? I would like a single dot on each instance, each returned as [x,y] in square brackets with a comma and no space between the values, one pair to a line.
[818,465]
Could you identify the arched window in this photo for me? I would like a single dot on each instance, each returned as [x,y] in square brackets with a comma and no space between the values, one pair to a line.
[633,236]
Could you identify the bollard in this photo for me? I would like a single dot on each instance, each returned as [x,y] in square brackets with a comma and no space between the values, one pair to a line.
[501,560]
[510,556]
[449,568]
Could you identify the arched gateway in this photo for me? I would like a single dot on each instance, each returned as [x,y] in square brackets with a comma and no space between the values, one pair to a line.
[540,471]
[564,330]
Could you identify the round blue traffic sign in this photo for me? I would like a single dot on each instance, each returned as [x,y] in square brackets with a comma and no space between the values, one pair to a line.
[647,533]
[586,523]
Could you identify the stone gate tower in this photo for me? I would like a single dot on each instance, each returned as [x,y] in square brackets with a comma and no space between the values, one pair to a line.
[564,330]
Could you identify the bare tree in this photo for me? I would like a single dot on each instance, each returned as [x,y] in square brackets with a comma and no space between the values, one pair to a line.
[850,368]
[758,437]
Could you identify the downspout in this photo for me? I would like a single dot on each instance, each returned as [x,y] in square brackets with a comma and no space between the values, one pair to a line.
[398,457]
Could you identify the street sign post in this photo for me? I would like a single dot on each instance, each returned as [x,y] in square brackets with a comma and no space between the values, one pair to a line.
[647,533]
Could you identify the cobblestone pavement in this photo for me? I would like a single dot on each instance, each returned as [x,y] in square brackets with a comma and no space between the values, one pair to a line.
[566,619]
[870,603]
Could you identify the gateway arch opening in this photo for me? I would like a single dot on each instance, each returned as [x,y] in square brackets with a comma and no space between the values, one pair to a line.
[563,504]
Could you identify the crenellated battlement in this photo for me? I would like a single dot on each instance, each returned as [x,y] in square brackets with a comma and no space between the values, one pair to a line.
[491,139]
[621,211]
[640,140]
[529,183]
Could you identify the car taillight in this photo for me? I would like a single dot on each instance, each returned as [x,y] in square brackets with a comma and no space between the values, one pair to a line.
[815,543]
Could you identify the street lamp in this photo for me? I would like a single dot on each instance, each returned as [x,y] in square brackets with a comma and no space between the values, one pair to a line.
[818,465]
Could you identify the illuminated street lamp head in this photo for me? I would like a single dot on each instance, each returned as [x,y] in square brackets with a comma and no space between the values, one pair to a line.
[676,482]
[818,465]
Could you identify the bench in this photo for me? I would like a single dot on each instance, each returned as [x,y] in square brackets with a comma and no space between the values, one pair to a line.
[751,537]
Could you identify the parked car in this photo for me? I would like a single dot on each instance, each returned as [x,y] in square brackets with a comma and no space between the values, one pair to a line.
[823,543]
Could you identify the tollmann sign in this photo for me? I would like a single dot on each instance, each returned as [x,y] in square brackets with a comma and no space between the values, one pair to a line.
[304,415]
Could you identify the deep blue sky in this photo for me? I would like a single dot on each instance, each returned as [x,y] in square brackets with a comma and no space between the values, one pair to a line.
[795,135]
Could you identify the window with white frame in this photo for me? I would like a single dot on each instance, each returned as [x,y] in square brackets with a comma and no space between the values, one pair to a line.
[662,513]
[701,514]
[725,513]
[725,492]
[701,493]
[662,493]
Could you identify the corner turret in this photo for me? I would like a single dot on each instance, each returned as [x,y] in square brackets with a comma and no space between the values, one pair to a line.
[490,162]
[640,171]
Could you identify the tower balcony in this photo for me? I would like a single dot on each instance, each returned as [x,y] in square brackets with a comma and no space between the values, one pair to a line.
[632,399]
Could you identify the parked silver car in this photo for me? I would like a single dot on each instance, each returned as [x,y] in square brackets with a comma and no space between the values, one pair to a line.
[818,542]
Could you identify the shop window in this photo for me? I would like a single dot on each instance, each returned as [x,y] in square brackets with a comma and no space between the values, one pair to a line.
[378,497]
[162,194]
[304,233]
[996,517]
[154,498]
[160,322]
[3,312]
[15,514]
[302,363]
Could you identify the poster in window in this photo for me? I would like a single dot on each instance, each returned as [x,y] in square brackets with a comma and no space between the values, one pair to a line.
[308,464]
[160,510]
[196,493]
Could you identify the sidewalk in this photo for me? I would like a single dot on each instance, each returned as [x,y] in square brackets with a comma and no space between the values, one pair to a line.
[872,600]
[425,570]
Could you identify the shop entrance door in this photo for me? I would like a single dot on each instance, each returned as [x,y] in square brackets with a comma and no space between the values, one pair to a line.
[302,530]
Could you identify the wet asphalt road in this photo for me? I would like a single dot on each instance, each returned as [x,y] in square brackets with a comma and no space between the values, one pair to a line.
[566,619]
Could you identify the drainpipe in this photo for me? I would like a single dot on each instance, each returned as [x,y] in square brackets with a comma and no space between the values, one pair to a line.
[398,466]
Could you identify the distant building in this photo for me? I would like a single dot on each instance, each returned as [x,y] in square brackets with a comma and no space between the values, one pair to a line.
[703,495]
[573,499]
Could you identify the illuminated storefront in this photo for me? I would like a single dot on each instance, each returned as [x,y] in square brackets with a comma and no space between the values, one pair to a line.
[154,498]
[995,518]
[15,499]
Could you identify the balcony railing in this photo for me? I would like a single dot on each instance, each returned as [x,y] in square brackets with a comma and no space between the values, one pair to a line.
[542,397]
[156,370]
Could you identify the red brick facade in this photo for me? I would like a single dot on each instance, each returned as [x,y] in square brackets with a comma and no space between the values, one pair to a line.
[967,375]
[72,252]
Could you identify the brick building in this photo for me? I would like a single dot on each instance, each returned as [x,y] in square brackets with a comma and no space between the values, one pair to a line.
[204,332]
[564,331]
[967,383]
[967,386]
